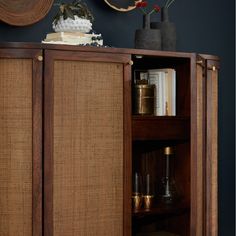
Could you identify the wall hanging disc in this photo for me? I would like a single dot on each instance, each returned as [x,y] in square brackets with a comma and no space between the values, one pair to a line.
[122,5]
[24,12]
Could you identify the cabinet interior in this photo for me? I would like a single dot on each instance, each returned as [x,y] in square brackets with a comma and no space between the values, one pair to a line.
[150,134]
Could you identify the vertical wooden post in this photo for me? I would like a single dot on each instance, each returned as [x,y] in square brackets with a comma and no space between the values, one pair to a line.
[211,148]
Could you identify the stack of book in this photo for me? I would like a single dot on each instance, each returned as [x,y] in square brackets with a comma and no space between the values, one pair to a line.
[165,93]
[74,38]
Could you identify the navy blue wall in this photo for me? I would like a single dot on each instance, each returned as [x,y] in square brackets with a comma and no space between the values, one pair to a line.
[205,26]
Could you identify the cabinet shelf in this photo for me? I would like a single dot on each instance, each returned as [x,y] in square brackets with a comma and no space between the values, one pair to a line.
[162,210]
[160,128]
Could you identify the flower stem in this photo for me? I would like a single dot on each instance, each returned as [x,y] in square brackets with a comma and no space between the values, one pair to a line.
[168,3]
[143,11]
[151,11]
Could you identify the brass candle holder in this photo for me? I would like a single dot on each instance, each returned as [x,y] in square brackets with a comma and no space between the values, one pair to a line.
[137,192]
[147,202]
[137,201]
[148,193]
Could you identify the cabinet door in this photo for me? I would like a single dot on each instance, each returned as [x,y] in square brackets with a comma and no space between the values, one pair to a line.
[211,166]
[204,147]
[87,144]
[20,142]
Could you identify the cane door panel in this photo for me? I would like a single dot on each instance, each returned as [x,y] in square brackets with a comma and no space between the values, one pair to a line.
[85,153]
[20,182]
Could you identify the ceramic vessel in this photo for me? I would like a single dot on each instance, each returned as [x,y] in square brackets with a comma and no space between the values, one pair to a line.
[147,38]
[168,31]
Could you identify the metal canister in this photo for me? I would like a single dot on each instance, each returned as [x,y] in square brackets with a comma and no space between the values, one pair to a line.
[143,99]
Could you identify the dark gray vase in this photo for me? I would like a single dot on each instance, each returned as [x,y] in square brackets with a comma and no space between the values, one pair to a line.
[168,31]
[147,38]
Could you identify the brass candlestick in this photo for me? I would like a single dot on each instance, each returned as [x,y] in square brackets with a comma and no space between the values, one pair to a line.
[137,196]
[148,197]
[137,202]
[169,189]
[147,202]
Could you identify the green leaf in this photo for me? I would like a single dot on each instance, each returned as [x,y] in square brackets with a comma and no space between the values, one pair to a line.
[57,17]
[76,8]
[69,13]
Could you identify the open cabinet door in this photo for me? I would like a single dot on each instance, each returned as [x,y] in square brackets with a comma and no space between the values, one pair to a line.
[20,142]
[197,146]
[87,157]
[212,67]
[204,219]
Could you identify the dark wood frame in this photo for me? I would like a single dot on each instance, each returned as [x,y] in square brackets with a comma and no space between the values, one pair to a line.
[197,145]
[37,69]
[37,144]
[211,164]
[50,57]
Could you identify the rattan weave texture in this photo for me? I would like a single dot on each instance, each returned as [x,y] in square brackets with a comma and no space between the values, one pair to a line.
[15,147]
[88,149]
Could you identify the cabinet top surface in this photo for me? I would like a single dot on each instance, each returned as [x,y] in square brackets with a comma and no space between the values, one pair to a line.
[25,45]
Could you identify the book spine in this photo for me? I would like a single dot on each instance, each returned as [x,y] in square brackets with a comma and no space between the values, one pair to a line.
[174,93]
[161,95]
[168,81]
[154,78]
[171,80]
[164,94]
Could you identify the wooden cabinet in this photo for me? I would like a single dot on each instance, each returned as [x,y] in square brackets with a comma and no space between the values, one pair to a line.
[69,140]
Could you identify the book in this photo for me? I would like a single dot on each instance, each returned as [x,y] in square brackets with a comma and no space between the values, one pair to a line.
[170,75]
[74,38]
[62,35]
[157,78]
[165,82]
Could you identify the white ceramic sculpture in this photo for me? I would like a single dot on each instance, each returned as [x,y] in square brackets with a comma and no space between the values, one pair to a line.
[70,25]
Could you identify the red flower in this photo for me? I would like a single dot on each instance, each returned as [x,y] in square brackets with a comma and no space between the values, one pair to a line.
[141,4]
[157,8]
[144,4]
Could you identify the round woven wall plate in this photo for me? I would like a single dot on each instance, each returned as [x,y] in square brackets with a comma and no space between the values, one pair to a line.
[122,5]
[24,12]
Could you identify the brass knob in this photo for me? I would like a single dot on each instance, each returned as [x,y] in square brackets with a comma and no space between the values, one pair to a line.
[40,58]
[131,62]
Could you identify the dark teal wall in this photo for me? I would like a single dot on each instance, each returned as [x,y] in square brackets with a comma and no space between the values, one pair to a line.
[205,26]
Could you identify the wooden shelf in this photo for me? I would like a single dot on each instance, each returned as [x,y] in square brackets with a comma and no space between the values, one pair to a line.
[160,127]
[161,210]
